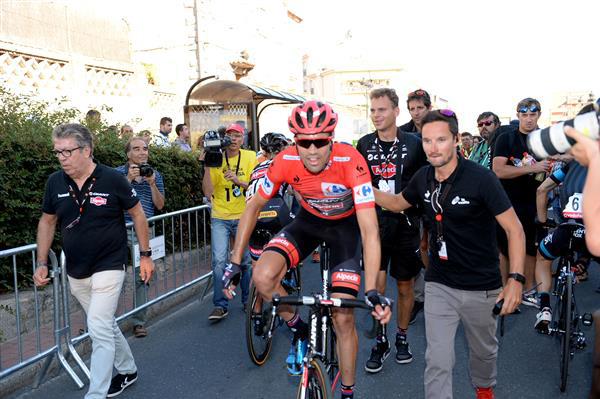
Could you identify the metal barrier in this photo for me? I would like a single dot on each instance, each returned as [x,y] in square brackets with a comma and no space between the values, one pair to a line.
[186,263]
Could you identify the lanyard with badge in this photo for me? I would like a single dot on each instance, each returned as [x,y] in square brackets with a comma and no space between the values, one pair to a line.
[235,189]
[437,200]
[80,205]
[385,163]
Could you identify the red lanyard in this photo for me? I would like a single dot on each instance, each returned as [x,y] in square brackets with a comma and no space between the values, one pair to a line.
[80,205]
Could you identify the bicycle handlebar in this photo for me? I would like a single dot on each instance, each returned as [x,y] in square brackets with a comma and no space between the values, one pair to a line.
[316,301]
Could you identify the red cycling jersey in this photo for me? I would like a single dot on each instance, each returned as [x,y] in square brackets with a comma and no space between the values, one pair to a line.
[334,193]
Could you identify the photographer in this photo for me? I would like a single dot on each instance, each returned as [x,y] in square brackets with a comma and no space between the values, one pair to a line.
[225,186]
[148,184]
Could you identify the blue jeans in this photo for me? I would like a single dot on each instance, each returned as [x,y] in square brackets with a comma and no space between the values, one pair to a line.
[220,231]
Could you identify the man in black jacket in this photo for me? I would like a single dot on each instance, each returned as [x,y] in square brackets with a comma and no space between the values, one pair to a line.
[393,157]
[418,104]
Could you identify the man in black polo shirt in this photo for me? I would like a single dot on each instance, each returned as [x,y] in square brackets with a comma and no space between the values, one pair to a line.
[87,200]
[393,157]
[461,201]
[513,165]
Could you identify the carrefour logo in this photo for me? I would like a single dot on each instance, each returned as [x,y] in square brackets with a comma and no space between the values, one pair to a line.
[333,189]
[363,194]
[267,185]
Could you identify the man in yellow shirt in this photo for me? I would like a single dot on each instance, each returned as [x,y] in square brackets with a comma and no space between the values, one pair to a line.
[225,187]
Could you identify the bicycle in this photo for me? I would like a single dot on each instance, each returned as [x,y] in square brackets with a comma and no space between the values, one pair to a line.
[565,324]
[320,364]
[260,322]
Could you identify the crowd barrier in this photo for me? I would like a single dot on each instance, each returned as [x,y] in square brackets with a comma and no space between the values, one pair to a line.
[49,323]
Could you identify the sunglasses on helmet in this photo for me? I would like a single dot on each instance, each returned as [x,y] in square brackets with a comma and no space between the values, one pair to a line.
[418,93]
[485,123]
[447,112]
[319,143]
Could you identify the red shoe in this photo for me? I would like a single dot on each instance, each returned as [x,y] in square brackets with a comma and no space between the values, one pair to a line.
[484,393]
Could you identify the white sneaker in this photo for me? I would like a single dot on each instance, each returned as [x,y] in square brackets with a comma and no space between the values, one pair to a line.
[531,299]
[543,319]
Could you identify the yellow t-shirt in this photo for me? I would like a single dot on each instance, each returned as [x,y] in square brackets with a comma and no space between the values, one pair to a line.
[228,202]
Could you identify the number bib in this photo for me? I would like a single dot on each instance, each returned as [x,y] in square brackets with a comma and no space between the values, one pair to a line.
[574,207]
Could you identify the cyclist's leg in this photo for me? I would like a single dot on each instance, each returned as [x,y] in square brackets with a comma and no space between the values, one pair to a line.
[266,276]
[347,340]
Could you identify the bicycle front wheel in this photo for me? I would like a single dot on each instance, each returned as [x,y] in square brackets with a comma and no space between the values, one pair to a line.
[314,383]
[565,324]
[258,322]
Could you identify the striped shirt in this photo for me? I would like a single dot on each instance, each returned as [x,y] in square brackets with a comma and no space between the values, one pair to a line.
[144,192]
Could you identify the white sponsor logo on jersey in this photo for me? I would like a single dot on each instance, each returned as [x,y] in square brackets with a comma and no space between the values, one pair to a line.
[291,157]
[267,185]
[363,193]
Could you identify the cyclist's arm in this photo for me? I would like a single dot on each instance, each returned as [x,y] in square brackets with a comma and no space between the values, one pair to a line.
[512,291]
[369,232]
[541,199]
[392,202]
[246,226]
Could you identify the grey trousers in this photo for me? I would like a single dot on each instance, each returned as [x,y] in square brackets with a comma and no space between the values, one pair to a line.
[445,307]
[419,287]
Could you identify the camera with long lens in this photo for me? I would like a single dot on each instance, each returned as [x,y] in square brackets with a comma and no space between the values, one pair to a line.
[213,146]
[552,140]
[146,170]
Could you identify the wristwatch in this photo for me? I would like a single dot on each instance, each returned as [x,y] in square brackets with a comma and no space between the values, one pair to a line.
[518,277]
[147,253]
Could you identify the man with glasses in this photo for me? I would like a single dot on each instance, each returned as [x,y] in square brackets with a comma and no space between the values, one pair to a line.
[518,172]
[336,195]
[87,201]
[487,123]
[461,201]
[151,192]
[225,187]
[393,157]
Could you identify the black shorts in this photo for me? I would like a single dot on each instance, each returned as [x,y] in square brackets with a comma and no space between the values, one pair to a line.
[298,239]
[527,219]
[558,241]
[400,241]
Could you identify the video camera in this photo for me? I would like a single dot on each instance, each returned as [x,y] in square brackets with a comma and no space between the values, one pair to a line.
[552,140]
[213,146]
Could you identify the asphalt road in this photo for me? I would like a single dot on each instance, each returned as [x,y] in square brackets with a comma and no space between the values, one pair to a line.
[185,356]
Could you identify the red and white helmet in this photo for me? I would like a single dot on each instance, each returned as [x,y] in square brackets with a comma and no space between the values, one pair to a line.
[312,117]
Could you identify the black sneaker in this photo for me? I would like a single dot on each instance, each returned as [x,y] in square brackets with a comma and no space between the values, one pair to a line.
[417,307]
[379,353]
[403,354]
[218,314]
[119,382]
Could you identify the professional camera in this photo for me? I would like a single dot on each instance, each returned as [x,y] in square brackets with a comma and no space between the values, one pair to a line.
[213,147]
[146,170]
[553,140]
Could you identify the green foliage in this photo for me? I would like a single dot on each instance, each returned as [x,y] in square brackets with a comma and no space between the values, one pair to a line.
[26,161]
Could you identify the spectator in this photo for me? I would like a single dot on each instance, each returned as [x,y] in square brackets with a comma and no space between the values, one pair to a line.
[466,140]
[225,187]
[393,157]
[151,192]
[487,123]
[463,281]
[93,117]
[476,140]
[126,131]
[183,137]
[87,201]
[161,139]
[516,170]
[418,104]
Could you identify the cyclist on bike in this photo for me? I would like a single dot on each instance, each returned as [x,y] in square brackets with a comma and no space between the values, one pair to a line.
[554,244]
[338,207]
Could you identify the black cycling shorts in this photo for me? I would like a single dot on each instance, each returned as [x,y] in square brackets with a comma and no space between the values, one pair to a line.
[400,241]
[271,219]
[557,242]
[298,239]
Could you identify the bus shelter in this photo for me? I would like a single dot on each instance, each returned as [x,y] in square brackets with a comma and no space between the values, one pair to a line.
[214,105]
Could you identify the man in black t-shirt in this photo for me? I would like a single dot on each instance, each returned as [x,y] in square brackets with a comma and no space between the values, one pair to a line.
[461,202]
[87,201]
[393,157]
[520,176]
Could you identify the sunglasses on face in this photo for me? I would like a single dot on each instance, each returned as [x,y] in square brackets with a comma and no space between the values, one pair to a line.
[485,123]
[319,143]
[531,108]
